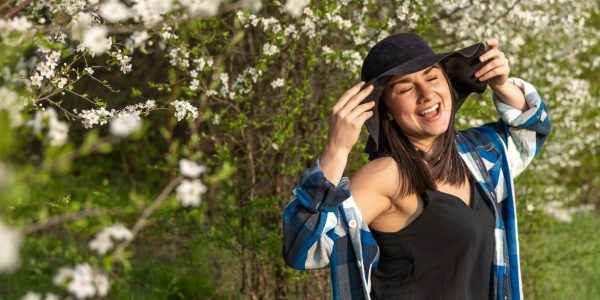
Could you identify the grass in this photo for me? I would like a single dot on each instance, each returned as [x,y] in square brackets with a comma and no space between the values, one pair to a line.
[561,260]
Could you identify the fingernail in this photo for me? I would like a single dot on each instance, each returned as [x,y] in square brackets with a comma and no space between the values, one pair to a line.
[362,83]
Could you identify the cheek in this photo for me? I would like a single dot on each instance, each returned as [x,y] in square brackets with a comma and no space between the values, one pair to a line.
[401,109]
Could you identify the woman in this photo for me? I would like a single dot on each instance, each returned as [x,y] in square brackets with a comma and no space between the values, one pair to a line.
[432,215]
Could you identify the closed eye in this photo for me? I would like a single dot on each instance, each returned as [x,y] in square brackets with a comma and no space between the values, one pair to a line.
[432,78]
[405,90]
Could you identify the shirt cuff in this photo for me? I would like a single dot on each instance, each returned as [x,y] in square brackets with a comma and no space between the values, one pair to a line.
[515,117]
[316,192]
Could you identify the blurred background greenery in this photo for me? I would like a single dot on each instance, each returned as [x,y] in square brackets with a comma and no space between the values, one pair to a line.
[256,141]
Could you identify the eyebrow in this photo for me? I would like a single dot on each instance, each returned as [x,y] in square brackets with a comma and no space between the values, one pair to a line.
[405,80]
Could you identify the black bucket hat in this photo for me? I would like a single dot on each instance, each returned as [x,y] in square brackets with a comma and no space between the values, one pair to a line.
[407,53]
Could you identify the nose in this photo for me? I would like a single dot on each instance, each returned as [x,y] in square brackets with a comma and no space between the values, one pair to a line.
[425,92]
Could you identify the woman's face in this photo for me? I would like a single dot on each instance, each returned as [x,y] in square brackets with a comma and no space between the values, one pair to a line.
[420,103]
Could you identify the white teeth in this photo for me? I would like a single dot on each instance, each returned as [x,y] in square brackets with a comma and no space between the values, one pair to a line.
[430,110]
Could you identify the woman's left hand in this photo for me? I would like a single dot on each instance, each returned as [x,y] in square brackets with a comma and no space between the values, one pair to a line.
[497,69]
[496,73]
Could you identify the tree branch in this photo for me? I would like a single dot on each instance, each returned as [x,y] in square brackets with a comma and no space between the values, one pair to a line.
[506,12]
[17,9]
[68,217]
[141,221]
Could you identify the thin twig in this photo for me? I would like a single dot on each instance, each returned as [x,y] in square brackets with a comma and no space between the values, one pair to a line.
[447,15]
[69,217]
[5,4]
[104,84]
[58,106]
[141,221]
[508,10]
[17,9]
[81,96]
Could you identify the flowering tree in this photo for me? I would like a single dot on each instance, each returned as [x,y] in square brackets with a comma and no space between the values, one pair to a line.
[119,116]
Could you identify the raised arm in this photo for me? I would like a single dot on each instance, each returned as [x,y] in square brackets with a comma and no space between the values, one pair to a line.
[311,218]
[524,125]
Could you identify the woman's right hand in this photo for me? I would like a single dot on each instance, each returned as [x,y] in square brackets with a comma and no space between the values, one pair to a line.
[347,117]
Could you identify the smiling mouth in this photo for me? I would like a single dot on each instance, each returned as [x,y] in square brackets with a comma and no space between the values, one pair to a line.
[431,113]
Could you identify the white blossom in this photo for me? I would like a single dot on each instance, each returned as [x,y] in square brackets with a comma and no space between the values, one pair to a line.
[114,11]
[36,79]
[184,110]
[12,103]
[91,117]
[45,70]
[530,207]
[270,49]
[291,31]
[102,284]
[10,258]
[125,125]
[51,296]
[20,24]
[95,40]
[189,192]
[57,130]
[103,241]
[201,8]
[32,296]
[61,82]
[101,116]
[557,210]
[124,61]
[150,12]
[80,22]
[216,119]
[82,283]
[295,7]
[57,133]
[194,84]
[279,82]
[119,232]
[62,276]
[137,38]
[179,56]
[190,169]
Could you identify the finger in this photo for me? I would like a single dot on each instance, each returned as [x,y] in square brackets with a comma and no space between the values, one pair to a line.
[358,98]
[491,43]
[502,71]
[347,96]
[498,62]
[361,109]
[362,118]
[491,54]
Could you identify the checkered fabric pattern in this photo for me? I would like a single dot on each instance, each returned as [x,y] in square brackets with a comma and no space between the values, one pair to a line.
[323,227]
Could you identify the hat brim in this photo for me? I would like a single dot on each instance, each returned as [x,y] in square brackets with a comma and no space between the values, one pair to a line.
[460,65]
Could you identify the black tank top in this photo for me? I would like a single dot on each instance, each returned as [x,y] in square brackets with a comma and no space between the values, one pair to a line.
[445,253]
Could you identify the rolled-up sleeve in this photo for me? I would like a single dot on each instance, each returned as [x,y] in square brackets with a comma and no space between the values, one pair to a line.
[523,132]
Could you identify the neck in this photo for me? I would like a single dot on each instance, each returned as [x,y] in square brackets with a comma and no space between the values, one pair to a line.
[423,145]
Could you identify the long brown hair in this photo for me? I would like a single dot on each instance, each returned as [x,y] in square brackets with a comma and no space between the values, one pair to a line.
[445,164]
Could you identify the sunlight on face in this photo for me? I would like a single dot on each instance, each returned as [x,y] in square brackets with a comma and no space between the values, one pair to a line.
[420,103]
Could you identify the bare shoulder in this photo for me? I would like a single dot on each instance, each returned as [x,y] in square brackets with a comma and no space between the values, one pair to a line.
[373,185]
[380,175]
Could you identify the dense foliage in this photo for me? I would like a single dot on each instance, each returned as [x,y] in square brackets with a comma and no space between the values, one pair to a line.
[148,147]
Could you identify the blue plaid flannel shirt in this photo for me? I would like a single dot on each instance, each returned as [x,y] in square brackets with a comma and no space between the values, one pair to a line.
[322,225]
